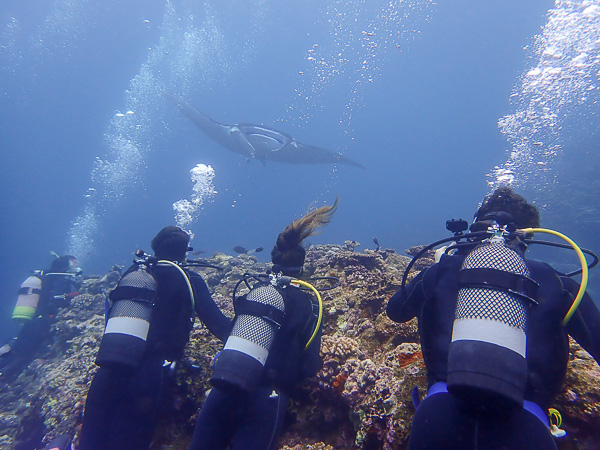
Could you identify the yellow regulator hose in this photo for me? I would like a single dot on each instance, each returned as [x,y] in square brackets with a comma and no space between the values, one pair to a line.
[320,317]
[187,280]
[582,261]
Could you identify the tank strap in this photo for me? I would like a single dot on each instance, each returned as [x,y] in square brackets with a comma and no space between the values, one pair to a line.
[267,312]
[132,293]
[489,278]
[29,290]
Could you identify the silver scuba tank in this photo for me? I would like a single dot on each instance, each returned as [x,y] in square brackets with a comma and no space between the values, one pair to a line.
[487,356]
[29,297]
[124,340]
[258,318]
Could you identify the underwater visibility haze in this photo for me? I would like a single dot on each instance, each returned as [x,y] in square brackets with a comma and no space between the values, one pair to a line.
[441,102]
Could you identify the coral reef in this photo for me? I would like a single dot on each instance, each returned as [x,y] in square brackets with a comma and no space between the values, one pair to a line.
[360,399]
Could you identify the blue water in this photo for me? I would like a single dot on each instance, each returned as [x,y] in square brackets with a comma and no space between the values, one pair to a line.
[413,90]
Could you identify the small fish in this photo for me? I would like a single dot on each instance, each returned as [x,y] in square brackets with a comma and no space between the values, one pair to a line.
[376,243]
[240,249]
[198,252]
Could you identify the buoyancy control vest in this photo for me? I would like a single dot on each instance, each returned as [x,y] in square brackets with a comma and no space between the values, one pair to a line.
[129,317]
[259,316]
[289,361]
[487,357]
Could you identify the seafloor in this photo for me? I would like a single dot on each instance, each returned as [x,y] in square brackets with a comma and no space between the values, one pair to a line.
[360,399]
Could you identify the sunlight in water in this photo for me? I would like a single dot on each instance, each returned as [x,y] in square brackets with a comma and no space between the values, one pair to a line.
[562,86]
[362,34]
[185,55]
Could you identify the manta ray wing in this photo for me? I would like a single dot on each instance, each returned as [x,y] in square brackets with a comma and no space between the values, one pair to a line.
[298,153]
[260,142]
[228,136]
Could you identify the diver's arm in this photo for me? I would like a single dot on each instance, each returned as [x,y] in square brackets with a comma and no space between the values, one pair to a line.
[401,309]
[584,326]
[208,311]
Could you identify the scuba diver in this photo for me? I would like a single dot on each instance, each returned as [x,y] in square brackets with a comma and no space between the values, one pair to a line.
[273,347]
[494,330]
[148,325]
[41,296]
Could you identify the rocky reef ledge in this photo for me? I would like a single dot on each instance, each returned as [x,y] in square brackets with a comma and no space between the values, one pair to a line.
[361,399]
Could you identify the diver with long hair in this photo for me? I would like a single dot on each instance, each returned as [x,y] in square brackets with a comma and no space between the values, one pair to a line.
[274,346]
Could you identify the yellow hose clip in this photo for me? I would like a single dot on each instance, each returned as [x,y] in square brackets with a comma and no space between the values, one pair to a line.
[582,261]
[555,423]
[320,316]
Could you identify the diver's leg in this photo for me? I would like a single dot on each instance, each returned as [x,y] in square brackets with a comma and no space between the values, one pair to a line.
[104,397]
[440,423]
[218,419]
[262,422]
[135,420]
[22,350]
[520,429]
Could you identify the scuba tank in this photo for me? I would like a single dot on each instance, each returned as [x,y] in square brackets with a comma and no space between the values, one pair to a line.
[29,297]
[487,355]
[259,315]
[124,340]
[31,291]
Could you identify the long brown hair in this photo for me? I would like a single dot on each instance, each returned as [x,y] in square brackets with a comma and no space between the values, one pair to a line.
[288,251]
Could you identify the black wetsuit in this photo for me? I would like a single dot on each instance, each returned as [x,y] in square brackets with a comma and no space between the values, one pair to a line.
[122,404]
[34,333]
[443,421]
[254,421]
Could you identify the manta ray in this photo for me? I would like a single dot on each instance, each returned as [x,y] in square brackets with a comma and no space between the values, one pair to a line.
[260,142]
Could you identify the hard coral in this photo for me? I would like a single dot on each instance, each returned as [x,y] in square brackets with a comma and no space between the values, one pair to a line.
[338,347]
[361,398]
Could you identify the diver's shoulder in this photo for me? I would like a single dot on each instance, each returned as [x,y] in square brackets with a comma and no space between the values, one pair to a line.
[295,291]
[540,266]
